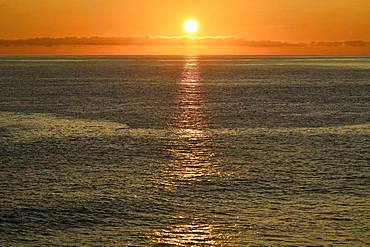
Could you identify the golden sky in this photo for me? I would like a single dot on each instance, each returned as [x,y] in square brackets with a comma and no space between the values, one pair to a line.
[287,21]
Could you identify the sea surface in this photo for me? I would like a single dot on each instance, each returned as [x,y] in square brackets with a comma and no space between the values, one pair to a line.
[184,151]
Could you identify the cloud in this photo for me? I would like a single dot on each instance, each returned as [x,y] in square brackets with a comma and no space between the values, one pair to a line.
[172,41]
[344,43]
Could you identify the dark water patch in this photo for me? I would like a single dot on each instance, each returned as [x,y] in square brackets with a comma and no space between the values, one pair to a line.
[202,151]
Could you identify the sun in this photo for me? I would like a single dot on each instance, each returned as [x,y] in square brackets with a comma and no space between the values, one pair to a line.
[191,26]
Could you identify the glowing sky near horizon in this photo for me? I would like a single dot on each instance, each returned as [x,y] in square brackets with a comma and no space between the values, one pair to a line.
[284,20]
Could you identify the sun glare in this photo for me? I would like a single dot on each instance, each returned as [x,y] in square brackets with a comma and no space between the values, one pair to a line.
[191,26]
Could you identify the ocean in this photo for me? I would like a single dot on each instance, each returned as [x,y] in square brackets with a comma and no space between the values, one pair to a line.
[184,150]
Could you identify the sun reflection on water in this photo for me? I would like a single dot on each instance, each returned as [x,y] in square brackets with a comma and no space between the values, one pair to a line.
[191,160]
[189,149]
[189,234]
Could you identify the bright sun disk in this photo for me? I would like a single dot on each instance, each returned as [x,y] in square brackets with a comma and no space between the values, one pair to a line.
[191,26]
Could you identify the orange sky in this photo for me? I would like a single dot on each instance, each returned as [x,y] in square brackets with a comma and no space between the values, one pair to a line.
[288,21]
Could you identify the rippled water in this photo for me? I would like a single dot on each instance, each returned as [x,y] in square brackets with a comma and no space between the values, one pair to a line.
[188,151]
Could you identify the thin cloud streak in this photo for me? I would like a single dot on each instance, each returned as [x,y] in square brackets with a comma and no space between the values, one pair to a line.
[173,41]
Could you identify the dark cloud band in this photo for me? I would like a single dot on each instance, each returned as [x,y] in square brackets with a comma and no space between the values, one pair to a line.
[172,41]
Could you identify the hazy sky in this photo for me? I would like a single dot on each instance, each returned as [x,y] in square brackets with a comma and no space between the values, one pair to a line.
[281,20]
